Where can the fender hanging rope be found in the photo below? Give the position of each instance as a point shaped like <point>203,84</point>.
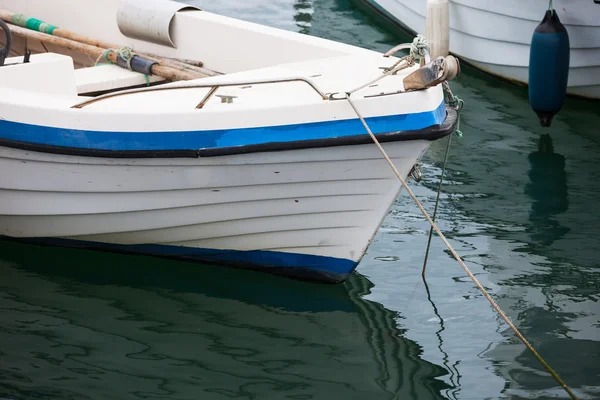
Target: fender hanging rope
<point>457,256</point>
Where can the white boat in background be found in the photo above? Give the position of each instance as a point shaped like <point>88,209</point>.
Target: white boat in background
<point>276,175</point>
<point>495,36</point>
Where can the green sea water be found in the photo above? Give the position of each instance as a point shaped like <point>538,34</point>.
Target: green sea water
<point>520,204</point>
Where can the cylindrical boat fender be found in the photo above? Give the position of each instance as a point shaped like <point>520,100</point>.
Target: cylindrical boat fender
<point>437,27</point>
<point>149,20</point>
<point>548,67</point>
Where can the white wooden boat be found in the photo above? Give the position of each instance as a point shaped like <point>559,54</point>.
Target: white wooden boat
<point>495,36</point>
<point>275,175</point>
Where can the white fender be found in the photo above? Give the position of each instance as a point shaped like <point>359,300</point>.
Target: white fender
<point>437,27</point>
<point>149,20</point>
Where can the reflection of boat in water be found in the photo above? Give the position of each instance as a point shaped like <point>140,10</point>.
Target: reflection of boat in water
<point>104,326</point>
<point>526,378</point>
<point>303,10</point>
<point>529,176</point>
<point>524,208</point>
<point>548,191</point>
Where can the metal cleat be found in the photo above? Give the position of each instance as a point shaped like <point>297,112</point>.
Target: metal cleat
<point>437,71</point>
<point>226,98</point>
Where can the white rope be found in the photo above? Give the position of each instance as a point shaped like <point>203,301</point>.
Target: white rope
<point>457,256</point>
<point>419,47</point>
<point>395,68</point>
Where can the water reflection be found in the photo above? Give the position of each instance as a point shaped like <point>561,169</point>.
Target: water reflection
<point>303,11</point>
<point>526,200</point>
<point>78,324</point>
<point>558,343</point>
<point>549,192</point>
<point>454,377</point>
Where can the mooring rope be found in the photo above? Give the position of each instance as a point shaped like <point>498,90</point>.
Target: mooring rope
<point>437,202</point>
<point>419,48</point>
<point>457,256</point>
<point>458,104</point>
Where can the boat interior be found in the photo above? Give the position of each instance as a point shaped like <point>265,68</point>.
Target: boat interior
<point>241,47</point>
<point>254,66</point>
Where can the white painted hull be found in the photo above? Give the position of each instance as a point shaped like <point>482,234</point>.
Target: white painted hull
<point>495,35</point>
<point>326,202</point>
<point>283,178</point>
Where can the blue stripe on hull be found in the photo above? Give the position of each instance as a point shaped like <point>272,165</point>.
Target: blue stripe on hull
<point>302,266</point>
<point>214,139</point>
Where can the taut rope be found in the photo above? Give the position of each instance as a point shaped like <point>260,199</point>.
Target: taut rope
<point>457,104</point>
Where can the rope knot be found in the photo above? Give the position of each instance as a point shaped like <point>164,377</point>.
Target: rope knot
<point>419,48</point>
<point>127,54</point>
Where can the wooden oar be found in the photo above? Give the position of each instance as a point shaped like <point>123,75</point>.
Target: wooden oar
<point>38,25</point>
<point>97,52</point>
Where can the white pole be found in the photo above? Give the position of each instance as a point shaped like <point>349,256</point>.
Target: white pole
<point>437,27</point>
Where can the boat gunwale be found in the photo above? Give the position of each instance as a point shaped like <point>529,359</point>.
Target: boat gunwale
<point>429,133</point>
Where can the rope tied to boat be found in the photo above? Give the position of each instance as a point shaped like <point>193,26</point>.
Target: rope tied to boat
<point>455,102</point>
<point>408,60</point>
<point>457,257</point>
<point>419,49</point>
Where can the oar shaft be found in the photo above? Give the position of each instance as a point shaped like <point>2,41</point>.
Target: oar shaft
<point>67,34</point>
<point>96,52</point>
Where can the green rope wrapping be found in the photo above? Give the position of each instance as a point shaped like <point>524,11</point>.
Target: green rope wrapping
<point>460,104</point>
<point>33,23</point>
<point>105,55</point>
<point>127,54</point>
<point>455,102</point>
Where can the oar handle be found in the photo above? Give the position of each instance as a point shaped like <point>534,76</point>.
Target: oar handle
<point>6,50</point>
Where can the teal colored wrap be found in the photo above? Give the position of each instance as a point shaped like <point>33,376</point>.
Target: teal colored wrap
<point>33,23</point>
<point>548,68</point>
<point>19,19</point>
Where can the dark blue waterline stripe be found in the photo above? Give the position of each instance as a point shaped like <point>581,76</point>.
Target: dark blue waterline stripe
<point>214,139</point>
<point>301,265</point>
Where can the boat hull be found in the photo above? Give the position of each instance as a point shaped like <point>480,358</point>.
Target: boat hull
<point>504,50</point>
<point>283,178</point>
<point>308,213</point>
